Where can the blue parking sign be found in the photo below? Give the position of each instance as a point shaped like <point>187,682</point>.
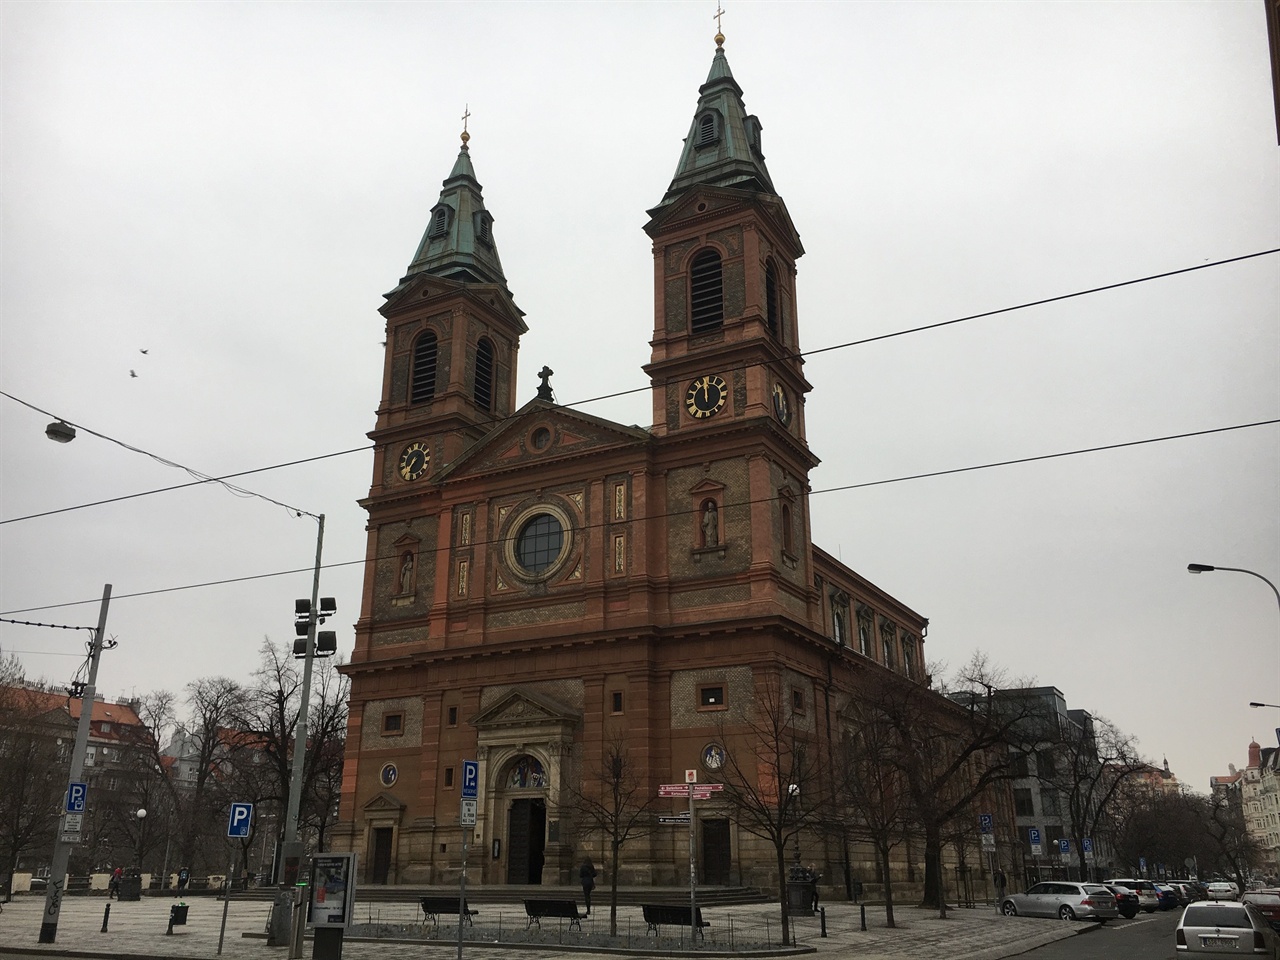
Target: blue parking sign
<point>239,821</point>
<point>1086,844</point>
<point>986,822</point>
<point>470,779</point>
<point>1064,846</point>
<point>77,794</point>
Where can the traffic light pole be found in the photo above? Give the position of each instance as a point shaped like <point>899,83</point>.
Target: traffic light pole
<point>62,849</point>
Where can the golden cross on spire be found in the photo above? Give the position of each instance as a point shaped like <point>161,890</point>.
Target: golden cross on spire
<point>719,27</point>
<point>466,113</point>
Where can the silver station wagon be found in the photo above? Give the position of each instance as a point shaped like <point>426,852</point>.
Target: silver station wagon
<point>1064,900</point>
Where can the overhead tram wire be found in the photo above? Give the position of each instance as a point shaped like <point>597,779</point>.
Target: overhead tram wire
<point>682,513</point>
<point>498,421</point>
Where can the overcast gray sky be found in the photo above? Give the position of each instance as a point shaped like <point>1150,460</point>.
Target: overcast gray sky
<point>232,187</point>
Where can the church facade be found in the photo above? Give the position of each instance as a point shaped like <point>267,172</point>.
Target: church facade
<point>542,585</point>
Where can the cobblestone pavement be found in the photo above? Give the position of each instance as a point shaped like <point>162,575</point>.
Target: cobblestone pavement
<point>137,930</point>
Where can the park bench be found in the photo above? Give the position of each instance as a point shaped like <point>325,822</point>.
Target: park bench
<point>535,910</point>
<point>437,907</point>
<point>657,915</point>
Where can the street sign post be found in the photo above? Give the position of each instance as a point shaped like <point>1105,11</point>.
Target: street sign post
<point>986,823</point>
<point>1064,847</point>
<point>466,820</point>
<point>1033,834</point>
<point>1086,846</point>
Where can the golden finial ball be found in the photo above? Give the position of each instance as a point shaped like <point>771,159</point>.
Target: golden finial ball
<point>465,136</point>
<point>719,39</point>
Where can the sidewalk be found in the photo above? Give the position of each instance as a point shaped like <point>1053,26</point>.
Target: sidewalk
<point>137,930</point>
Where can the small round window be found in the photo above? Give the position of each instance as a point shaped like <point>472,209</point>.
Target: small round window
<point>539,542</point>
<point>541,438</point>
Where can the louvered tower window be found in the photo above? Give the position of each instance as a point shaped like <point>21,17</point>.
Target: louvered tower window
<point>439,222</point>
<point>484,375</point>
<point>771,298</point>
<point>706,292</point>
<point>423,383</point>
<point>707,130</point>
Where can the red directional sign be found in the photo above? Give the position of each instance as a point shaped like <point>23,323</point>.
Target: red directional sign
<point>673,789</point>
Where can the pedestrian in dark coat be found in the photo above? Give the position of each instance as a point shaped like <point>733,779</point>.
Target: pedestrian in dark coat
<point>587,874</point>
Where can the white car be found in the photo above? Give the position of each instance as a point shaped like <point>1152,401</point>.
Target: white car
<point>1221,890</point>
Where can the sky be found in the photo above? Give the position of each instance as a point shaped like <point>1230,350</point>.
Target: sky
<point>231,187</point>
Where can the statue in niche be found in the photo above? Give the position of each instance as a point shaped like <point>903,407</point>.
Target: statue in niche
<point>406,573</point>
<point>710,524</point>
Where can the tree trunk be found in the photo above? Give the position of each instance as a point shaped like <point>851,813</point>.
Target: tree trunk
<point>932,866</point>
<point>613,889</point>
<point>942,886</point>
<point>883,850</point>
<point>780,849</point>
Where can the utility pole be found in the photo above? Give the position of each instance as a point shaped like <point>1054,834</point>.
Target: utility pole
<point>61,848</point>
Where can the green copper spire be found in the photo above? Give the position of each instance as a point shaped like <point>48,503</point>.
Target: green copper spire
<point>458,243</point>
<point>723,147</point>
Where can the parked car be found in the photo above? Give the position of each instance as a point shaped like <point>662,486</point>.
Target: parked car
<point>1225,929</point>
<point>1167,896</point>
<point>1267,900</point>
<point>1066,901</point>
<point>1222,890</point>
<point>1126,900</point>
<point>1145,890</point>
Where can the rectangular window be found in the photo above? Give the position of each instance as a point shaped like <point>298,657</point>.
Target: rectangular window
<point>1023,805</point>
<point>448,776</point>
<point>1045,766</point>
<point>453,716</point>
<point>617,701</point>
<point>392,724</point>
<point>1019,764</point>
<point>797,701</point>
<point>711,698</point>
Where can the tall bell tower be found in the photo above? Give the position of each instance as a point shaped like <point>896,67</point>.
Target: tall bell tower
<point>725,340</point>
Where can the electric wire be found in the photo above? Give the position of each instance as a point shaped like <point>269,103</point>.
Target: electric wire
<point>676,513</point>
<point>496,421</point>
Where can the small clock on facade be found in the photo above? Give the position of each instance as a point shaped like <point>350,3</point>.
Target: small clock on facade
<point>781,406</point>
<point>705,397</point>
<point>414,460</point>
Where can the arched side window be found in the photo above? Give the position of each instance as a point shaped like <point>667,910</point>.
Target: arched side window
<point>773,315</point>
<point>422,384</point>
<point>707,132</point>
<point>706,292</point>
<point>483,393</point>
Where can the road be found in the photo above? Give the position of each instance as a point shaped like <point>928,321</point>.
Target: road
<point>1148,936</point>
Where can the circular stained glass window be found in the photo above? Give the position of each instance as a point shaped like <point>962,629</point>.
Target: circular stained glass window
<point>539,542</point>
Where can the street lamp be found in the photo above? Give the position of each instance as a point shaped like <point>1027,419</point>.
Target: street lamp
<point>1206,568</point>
<point>142,822</point>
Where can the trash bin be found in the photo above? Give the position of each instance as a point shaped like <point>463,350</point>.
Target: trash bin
<point>177,916</point>
<point>131,888</point>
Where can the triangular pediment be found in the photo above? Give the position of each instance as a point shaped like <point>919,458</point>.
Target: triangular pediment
<point>525,708</point>
<point>384,802</point>
<point>706,486</point>
<point>540,433</point>
<point>421,290</point>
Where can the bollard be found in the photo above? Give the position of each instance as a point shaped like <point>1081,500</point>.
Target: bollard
<point>106,915</point>
<point>863,909</point>
<point>822,919</point>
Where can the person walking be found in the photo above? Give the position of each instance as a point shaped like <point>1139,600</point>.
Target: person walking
<point>113,887</point>
<point>184,875</point>
<point>587,874</point>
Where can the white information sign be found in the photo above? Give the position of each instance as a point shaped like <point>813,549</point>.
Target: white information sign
<point>467,816</point>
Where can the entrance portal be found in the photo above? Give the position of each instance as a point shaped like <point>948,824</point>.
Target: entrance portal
<point>381,854</point>
<point>526,840</point>
<point>716,856</point>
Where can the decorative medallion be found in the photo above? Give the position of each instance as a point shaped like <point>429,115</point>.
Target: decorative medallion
<point>389,775</point>
<point>713,756</point>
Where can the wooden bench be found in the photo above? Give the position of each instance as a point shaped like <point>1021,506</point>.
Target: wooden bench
<point>535,910</point>
<point>437,907</point>
<point>657,915</point>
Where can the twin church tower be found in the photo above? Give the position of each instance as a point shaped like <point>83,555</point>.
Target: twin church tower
<point>544,588</point>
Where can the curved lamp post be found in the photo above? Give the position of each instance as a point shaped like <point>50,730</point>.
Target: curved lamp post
<point>1206,568</point>
<point>142,817</point>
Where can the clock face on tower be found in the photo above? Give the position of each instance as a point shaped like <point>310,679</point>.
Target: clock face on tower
<point>414,460</point>
<point>705,397</point>
<point>781,407</point>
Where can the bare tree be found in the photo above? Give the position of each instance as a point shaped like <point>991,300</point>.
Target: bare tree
<point>616,800</point>
<point>30,769</point>
<point>870,786</point>
<point>214,704</point>
<point>773,779</point>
